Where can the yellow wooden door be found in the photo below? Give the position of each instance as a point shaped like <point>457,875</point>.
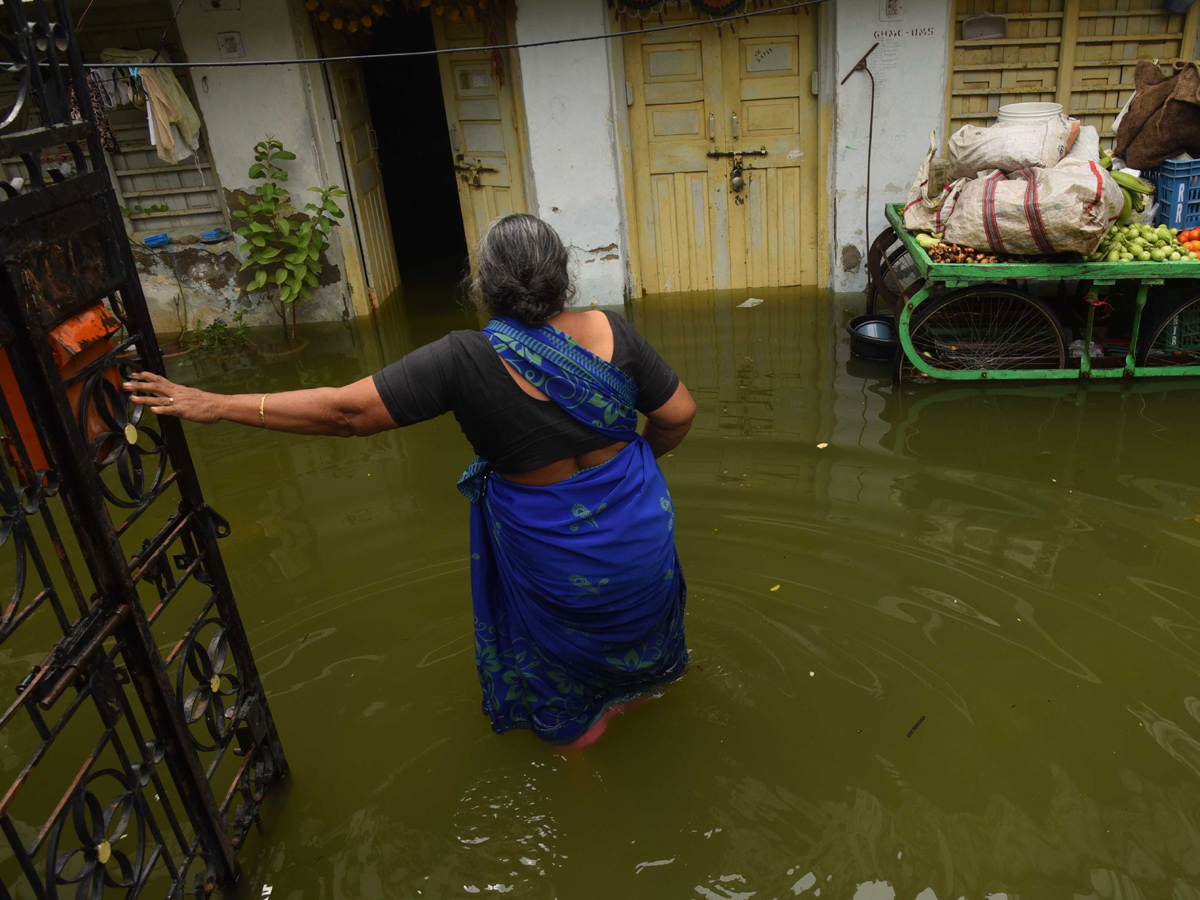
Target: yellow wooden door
<point>695,94</point>
<point>359,152</point>
<point>485,135</point>
<point>680,197</point>
<point>770,106</point>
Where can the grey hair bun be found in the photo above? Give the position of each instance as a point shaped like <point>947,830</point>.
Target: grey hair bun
<point>521,270</point>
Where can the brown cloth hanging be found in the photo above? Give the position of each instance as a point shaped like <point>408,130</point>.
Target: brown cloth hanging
<point>1164,118</point>
<point>108,136</point>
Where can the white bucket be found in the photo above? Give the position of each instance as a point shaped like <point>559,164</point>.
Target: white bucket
<point>1029,112</point>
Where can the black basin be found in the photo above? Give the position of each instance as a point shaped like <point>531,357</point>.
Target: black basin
<point>873,336</point>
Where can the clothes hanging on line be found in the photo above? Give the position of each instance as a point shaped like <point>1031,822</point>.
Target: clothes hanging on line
<point>105,85</point>
<point>173,121</point>
<point>108,136</point>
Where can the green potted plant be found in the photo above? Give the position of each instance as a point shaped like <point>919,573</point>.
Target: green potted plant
<point>284,245</point>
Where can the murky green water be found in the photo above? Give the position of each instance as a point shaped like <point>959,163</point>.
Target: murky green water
<point>1014,570</point>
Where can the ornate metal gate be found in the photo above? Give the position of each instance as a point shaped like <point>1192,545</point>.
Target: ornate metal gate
<point>148,708</point>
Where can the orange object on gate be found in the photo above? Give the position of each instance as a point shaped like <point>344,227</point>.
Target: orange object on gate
<point>75,344</point>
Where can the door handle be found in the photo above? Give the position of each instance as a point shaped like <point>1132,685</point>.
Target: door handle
<point>712,127</point>
<point>373,138</point>
<point>735,128</point>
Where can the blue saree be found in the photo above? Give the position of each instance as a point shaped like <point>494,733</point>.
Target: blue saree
<point>577,590</point>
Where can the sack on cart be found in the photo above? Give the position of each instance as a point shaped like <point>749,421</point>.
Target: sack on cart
<point>930,199</point>
<point>1009,146</point>
<point>1164,115</point>
<point>1066,208</point>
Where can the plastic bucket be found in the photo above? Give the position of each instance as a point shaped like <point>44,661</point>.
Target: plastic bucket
<point>1029,112</point>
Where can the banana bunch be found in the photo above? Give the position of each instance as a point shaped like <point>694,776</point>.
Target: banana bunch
<point>1106,158</point>
<point>1134,189</point>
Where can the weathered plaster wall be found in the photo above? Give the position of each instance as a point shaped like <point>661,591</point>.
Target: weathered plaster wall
<point>910,69</point>
<point>572,141</point>
<point>240,106</point>
<point>187,286</point>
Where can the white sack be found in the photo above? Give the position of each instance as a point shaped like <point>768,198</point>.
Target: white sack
<point>922,213</point>
<point>1067,208</point>
<point>1009,146</point>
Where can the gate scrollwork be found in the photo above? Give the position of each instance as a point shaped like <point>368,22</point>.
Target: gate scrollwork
<point>142,766</point>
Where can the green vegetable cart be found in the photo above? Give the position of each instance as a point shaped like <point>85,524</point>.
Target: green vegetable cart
<point>1004,321</point>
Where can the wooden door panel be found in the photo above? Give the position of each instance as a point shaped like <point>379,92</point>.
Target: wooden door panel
<point>769,118</point>
<point>682,224</point>
<point>484,132</point>
<point>675,92</point>
<point>679,61</point>
<point>676,82</point>
<point>773,221</point>
<point>373,224</point>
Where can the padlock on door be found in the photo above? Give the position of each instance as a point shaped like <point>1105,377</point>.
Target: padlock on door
<point>736,180</point>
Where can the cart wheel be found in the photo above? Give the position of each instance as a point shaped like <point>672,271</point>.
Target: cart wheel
<point>983,328</point>
<point>1174,339</point>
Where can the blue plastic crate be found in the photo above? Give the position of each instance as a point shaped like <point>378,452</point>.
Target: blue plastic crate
<point>1177,191</point>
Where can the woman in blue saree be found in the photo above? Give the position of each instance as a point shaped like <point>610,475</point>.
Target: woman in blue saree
<point>577,590</point>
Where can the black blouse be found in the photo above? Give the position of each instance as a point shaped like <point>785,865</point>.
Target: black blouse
<point>515,432</point>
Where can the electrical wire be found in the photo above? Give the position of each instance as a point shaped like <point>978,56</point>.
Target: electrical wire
<point>163,40</point>
<point>401,54</point>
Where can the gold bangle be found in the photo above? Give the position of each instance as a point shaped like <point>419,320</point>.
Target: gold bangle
<point>262,407</point>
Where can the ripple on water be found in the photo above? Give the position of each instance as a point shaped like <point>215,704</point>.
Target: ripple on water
<point>1014,569</point>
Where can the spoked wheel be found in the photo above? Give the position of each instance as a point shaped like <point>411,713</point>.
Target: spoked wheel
<point>1173,339</point>
<point>982,328</point>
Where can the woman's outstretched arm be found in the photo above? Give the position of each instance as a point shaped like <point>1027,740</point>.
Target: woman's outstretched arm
<point>353,410</point>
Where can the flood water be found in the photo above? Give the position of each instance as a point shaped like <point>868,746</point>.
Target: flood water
<point>944,643</point>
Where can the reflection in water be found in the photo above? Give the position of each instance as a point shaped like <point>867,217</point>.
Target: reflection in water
<point>978,675</point>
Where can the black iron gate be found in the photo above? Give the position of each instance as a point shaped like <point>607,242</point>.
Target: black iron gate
<point>136,752</point>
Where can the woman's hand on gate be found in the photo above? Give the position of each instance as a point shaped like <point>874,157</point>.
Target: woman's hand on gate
<point>165,398</point>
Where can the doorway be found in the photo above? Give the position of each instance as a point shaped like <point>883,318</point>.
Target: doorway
<point>415,156</point>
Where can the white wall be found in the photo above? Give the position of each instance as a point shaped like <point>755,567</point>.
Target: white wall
<point>240,106</point>
<point>910,69</point>
<point>572,141</point>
